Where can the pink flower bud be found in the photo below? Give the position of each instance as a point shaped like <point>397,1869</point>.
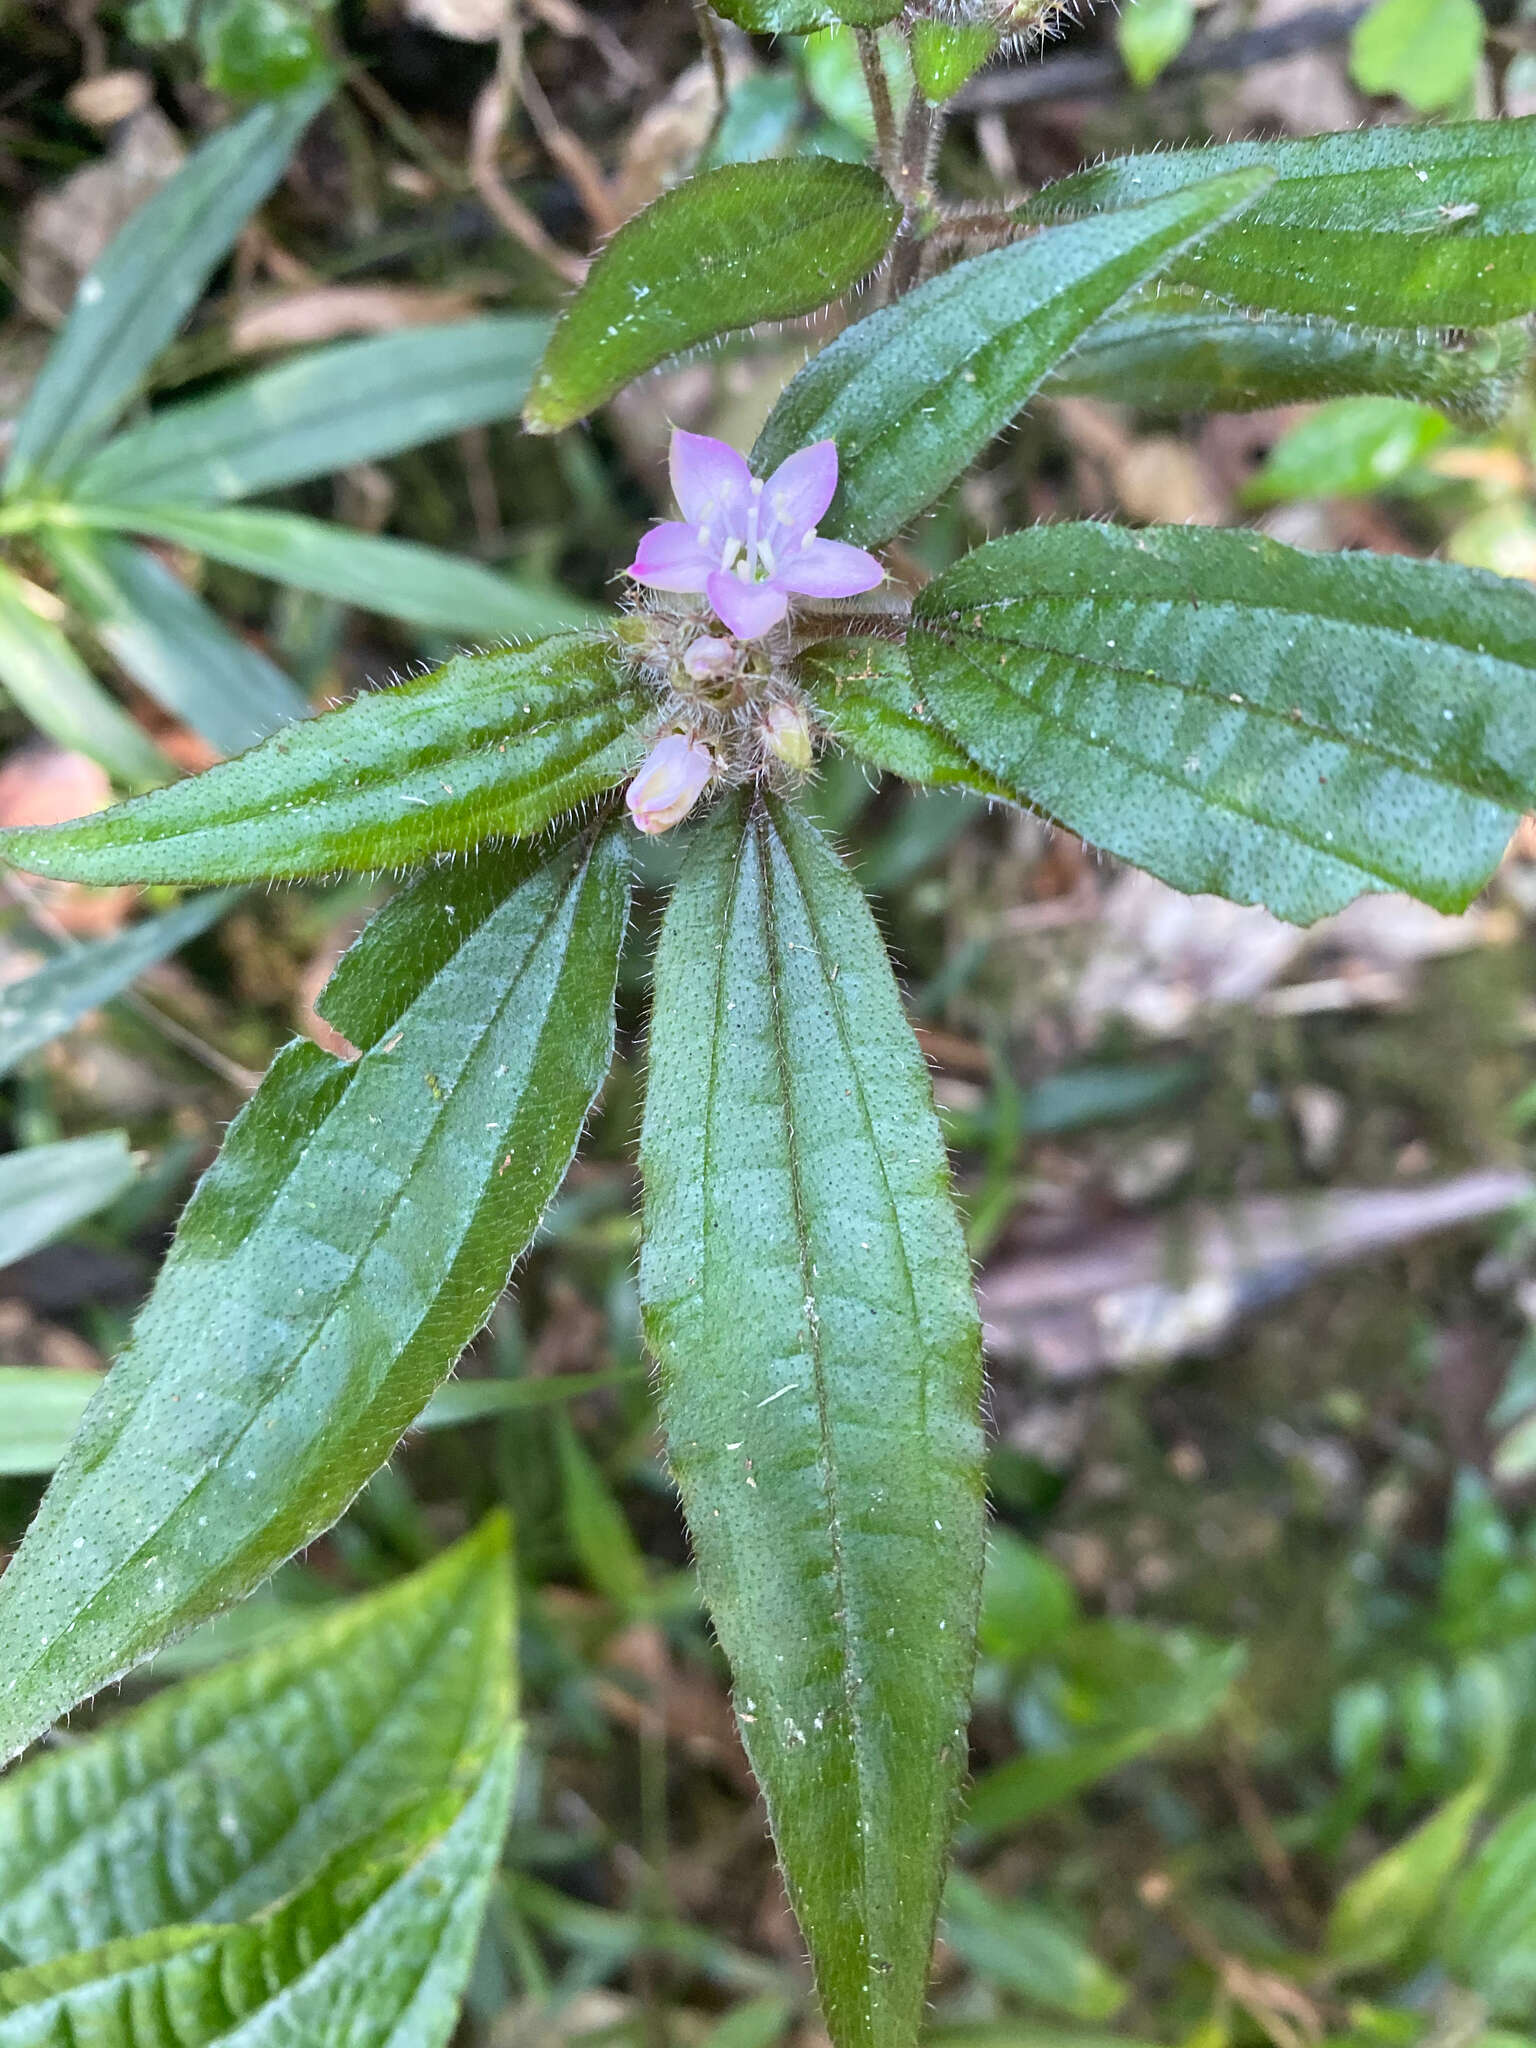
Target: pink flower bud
<point>787,733</point>
<point>670,782</point>
<point>712,659</point>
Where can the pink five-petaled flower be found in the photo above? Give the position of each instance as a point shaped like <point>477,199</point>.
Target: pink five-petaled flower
<point>669,783</point>
<point>749,544</point>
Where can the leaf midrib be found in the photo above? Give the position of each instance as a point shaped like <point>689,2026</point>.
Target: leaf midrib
<point>1001,341</point>
<point>327,794</point>
<point>1221,804</point>
<point>1505,154</point>
<point>151,1792</point>
<point>758,826</point>
<point>194,1492</point>
<point>959,641</point>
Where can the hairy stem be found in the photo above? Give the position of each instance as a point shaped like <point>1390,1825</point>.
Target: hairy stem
<point>880,101</point>
<point>919,145</point>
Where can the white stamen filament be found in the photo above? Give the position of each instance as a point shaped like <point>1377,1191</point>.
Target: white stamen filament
<point>754,513</point>
<point>751,556</point>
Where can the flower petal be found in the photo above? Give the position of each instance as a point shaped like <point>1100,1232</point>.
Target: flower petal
<point>797,494</point>
<point>670,558</point>
<point>712,485</point>
<point>828,568</point>
<point>747,609</point>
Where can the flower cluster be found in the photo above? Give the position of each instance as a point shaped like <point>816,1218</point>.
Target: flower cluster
<point>747,545</point>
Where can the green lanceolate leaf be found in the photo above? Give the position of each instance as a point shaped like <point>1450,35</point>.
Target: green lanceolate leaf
<point>1394,227</point>
<point>862,690</point>
<point>345,1246</point>
<point>731,247</point>
<point>398,577</point>
<point>47,1189</point>
<point>40,1007</point>
<point>375,1952</point>
<point>135,297</point>
<point>1277,727</point>
<point>489,744</point>
<point>913,393</point>
<point>1177,353</point>
<point>225,1795</point>
<point>168,640</point>
<point>807,1297</point>
<point>50,683</point>
<point>356,401</point>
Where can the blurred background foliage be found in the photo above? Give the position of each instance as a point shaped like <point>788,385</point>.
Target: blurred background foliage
<point>1256,1712</point>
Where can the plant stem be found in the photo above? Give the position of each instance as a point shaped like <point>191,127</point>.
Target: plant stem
<point>919,141</point>
<point>880,102</point>
<point>714,50</point>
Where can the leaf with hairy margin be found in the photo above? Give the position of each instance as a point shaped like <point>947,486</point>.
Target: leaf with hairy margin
<point>864,701</point>
<point>343,1249</point>
<point>726,249</point>
<point>1393,227</point>
<point>488,745</point>
<point>914,392</point>
<point>807,1297</point>
<point>374,1952</point>
<point>1275,726</point>
<point>1178,353</point>
<point>42,1407</point>
<point>222,1796</point>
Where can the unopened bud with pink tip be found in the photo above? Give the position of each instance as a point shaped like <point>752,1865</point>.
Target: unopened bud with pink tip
<point>670,782</point>
<point>787,733</point>
<point>711,659</point>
